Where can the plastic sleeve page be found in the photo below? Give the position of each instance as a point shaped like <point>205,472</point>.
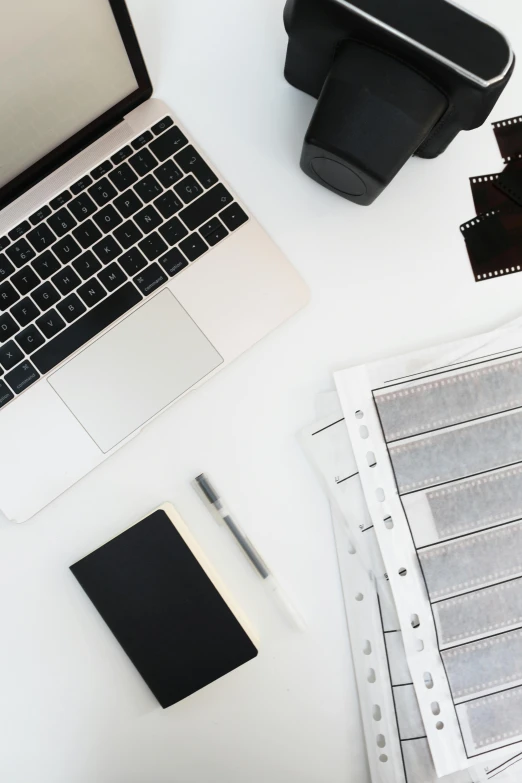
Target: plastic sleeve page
<point>330,463</point>
<point>378,713</point>
<point>393,726</point>
<point>327,446</point>
<point>394,730</point>
<point>439,455</point>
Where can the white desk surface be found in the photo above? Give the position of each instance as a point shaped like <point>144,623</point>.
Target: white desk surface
<point>384,280</point>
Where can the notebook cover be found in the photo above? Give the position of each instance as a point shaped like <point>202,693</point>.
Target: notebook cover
<point>163,607</point>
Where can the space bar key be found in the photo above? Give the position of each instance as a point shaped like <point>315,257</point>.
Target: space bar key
<point>83,330</point>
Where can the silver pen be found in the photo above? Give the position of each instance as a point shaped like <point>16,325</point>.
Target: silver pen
<point>207,491</point>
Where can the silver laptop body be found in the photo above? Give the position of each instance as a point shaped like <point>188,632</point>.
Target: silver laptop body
<point>130,272</point>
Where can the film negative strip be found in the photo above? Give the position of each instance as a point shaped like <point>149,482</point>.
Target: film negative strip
<point>456,397</point>
<point>494,243</point>
<point>486,666</point>
<point>510,182</point>
<point>508,134</point>
<point>487,196</point>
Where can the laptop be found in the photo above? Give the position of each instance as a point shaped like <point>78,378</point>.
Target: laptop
<point>130,271</point>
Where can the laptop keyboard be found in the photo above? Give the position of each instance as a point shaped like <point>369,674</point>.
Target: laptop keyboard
<point>99,248</point>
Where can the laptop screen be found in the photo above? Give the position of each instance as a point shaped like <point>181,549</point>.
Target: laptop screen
<point>63,64</point>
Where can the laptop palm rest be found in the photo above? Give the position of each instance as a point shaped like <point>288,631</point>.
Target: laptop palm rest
<point>135,370</point>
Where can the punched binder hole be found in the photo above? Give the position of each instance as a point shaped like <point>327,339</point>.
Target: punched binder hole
<point>428,680</point>
<point>402,572</point>
<point>351,549</point>
<point>388,523</point>
<point>419,645</point>
<point>359,414</point>
<point>359,596</point>
<point>377,714</point>
<point>379,494</point>
<point>370,457</point>
<point>435,707</point>
<point>439,725</point>
<point>381,741</point>
<point>363,431</point>
<point>367,648</point>
<point>371,675</point>
<point>415,622</point>
<point>383,757</point>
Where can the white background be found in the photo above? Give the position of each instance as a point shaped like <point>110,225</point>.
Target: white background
<point>384,279</point>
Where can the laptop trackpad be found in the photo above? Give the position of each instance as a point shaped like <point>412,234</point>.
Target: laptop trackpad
<point>135,370</point>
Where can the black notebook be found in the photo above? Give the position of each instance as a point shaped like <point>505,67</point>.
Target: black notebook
<point>166,607</point>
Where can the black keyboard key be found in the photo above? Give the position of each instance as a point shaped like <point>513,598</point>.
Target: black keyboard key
<point>107,250</point>
<point>62,222</point>
<point>67,249</point>
<point>50,324</point>
<point>60,200</point>
<point>103,192</point>
<point>6,268</point>
<point>133,261</point>
<point>216,235</point>
<point>152,278</point>
<point>40,215</point>
<point>121,155</point>
<point>168,143</point>
<point>108,219</point>
<point>193,247</point>
<point>168,204</point>
<point>10,355</point>
<point>173,231</point>
<point>46,264</point>
<point>128,203</point>
<point>71,308</point>
<point>8,327</point>
<point>141,140</point>
<point>210,226</point>
<point>66,281</point>
<point>148,219</point>
<point>20,252</point>
<point>82,207</point>
<point>30,339</point>
<point>87,327</point>
<point>87,234</point>
<point>128,234</point>
<point>22,377</point>
<point>192,163</point>
<point>233,217</point>
<point>148,188</point>
<point>162,125</point>
<point>25,311</point>
<point>153,246</point>
<point>123,177</point>
<point>206,207</point>
<point>87,265</point>
<point>173,262</point>
<point>102,169</point>
<point>143,162</point>
<point>45,296</point>
<point>92,292</point>
<point>188,189</point>
<point>82,183</point>
<point>25,280</point>
<point>112,277</point>
<point>41,237</point>
<point>4,242</point>
<point>19,230</point>
<point>6,395</point>
<point>8,296</point>
<point>168,173</point>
